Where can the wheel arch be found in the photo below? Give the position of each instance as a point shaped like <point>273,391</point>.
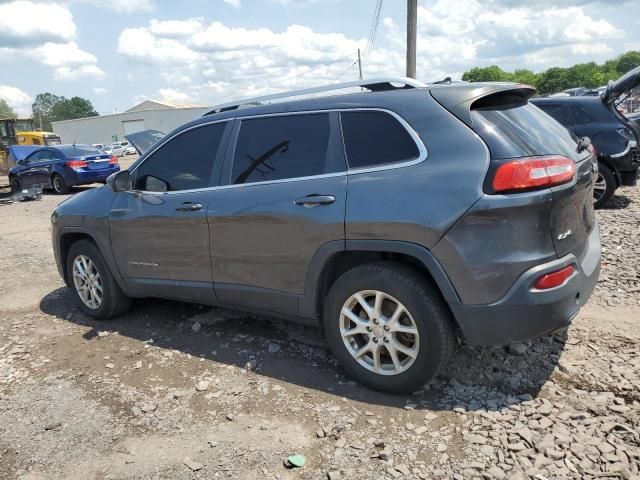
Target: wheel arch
<point>606,161</point>
<point>70,236</point>
<point>335,258</point>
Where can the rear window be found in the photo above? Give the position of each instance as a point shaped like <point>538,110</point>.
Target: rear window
<point>521,131</point>
<point>79,150</point>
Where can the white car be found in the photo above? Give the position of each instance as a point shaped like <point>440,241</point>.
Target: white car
<point>130,151</point>
<point>117,150</point>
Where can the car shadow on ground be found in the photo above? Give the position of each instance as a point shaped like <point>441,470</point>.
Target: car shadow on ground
<point>617,202</point>
<point>477,378</point>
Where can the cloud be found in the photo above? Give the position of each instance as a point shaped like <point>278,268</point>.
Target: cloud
<point>100,91</point>
<point>73,73</point>
<point>175,28</point>
<point>18,100</point>
<point>121,6</point>
<point>233,3</point>
<point>141,45</point>
<point>25,24</point>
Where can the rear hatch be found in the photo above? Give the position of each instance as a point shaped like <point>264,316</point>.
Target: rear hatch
<point>145,139</point>
<point>616,91</point>
<point>516,130</point>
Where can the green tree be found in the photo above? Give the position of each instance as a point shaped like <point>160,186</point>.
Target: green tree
<point>588,75</point>
<point>526,76</point>
<point>75,107</point>
<point>43,106</point>
<point>486,74</point>
<point>553,80</point>
<point>5,110</point>
<point>628,61</point>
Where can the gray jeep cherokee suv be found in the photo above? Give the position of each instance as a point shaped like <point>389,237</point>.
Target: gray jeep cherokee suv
<point>395,218</point>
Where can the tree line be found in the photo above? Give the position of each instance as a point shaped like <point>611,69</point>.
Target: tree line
<point>52,108</point>
<point>556,79</point>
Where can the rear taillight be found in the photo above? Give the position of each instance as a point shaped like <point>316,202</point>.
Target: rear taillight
<point>113,160</point>
<point>533,172</point>
<point>554,279</point>
<point>76,164</point>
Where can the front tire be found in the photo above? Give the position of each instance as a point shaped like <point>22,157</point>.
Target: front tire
<point>59,185</point>
<point>604,187</point>
<point>388,327</point>
<point>16,186</point>
<point>92,282</point>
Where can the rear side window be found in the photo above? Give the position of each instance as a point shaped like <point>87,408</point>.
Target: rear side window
<point>373,138</point>
<point>559,112</point>
<point>580,116</point>
<point>183,163</point>
<point>522,130</point>
<point>277,148</point>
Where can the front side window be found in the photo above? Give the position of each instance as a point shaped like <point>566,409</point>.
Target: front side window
<point>183,163</point>
<point>277,148</point>
<point>373,138</point>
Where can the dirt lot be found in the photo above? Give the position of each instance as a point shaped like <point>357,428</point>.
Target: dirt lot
<point>180,391</point>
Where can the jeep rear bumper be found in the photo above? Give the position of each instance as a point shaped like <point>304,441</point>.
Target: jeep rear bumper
<point>525,313</point>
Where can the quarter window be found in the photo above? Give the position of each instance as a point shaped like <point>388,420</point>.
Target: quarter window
<point>374,138</point>
<point>281,147</point>
<point>559,112</point>
<point>183,163</point>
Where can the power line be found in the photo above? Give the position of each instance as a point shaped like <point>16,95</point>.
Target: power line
<point>373,31</point>
<point>343,73</point>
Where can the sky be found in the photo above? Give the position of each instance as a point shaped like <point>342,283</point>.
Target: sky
<point>120,52</point>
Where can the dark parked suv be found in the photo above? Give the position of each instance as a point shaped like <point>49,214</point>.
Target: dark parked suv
<point>614,137</point>
<point>397,219</point>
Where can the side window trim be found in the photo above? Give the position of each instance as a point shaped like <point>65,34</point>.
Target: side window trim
<point>336,144</point>
<point>217,161</point>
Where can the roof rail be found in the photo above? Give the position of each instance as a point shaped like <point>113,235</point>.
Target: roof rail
<point>373,85</point>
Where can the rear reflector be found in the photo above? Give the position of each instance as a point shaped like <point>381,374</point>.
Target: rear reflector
<point>554,279</point>
<point>533,172</point>
<point>113,160</point>
<point>76,164</point>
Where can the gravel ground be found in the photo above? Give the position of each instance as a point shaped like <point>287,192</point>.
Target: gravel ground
<point>179,391</point>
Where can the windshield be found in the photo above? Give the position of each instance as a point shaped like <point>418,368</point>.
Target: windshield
<point>521,131</point>
<point>79,150</point>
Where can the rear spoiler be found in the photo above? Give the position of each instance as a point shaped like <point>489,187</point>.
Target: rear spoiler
<point>459,99</point>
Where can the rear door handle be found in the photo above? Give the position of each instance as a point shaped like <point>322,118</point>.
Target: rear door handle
<point>315,200</point>
<point>189,207</point>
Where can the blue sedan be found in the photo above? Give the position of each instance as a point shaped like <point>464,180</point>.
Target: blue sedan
<point>62,166</point>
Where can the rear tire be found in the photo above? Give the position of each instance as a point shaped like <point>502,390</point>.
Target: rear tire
<point>604,187</point>
<point>424,330</point>
<point>97,291</point>
<point>59,185</point>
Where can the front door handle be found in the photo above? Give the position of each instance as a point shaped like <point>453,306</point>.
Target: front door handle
<point>314,200</point>
<point>189,207</point>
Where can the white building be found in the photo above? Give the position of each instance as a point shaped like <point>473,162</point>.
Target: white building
<point>107,129</point>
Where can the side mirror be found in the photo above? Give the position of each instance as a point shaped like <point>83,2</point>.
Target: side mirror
<point>120,181</point>
<point>20,162</point>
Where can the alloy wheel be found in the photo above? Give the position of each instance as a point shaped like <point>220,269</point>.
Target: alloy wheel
<point>57,185</point>
<point>87,282</point>
<point>599,187</point>
<point>379,332</point>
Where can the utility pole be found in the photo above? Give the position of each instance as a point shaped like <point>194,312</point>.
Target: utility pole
<point>412,27</point>
<point>40,118</point>
<point>359,64</point>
